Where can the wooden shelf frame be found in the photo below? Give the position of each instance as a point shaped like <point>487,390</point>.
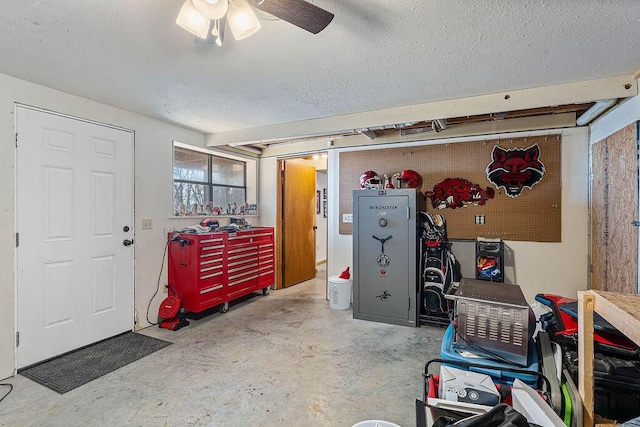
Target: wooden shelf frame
<point>623,312</point>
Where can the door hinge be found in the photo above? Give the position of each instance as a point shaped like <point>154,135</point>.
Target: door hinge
<point>635,223</point>
<point>408,212</point>
<point>17,338</point>
<point>17,239</point>
<point>409,307</point>
<point>16,139</point>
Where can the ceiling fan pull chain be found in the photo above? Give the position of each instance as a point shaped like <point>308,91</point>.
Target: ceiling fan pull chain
<point>216,28</point>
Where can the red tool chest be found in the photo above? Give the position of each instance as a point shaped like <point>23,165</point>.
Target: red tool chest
<point>208,269</point>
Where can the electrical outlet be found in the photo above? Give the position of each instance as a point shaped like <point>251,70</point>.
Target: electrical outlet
<point>147,224</point>
<point>480,220</point>
<point>347,217</point>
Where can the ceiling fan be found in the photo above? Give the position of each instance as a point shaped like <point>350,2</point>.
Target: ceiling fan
<point>206,18</point>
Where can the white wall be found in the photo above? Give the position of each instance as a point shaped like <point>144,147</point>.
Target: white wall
<point>560,268</point>
<point>268,191</point>
<point>321,221</point>
<point>153,198</point>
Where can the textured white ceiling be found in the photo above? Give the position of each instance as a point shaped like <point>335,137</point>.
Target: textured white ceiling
<point>375,54</point>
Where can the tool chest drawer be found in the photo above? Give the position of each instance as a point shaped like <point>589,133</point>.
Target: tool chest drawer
<point>266,262</point>
<point>209,269</point>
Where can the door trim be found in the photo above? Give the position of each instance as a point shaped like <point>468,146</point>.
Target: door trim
<point>279,235</point>
<point>68,116</point>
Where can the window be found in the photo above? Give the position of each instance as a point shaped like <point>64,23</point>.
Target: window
<point>204,184</point>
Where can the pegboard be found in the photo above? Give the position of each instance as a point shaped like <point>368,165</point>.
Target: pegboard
<point>533,216</point>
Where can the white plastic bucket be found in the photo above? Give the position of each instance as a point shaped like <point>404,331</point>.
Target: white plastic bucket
<point>375,423</point>
<point>339,293</point>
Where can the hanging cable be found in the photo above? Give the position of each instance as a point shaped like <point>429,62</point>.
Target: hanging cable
<point>164,254</point>
<point>10,390</point>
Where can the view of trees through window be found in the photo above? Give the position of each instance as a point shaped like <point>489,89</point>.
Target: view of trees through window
<point>204,184</point>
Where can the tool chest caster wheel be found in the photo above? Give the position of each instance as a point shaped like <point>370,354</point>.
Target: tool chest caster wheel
<point>224,307</point>
<point>265,291</point>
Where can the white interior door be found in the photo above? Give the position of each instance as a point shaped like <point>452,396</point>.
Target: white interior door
<point>74,203</point>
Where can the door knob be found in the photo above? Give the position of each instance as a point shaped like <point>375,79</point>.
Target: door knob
<point>315,227</point>
<point>127,242</point>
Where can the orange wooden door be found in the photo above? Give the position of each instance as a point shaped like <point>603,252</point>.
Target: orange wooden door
<point>298,223</point>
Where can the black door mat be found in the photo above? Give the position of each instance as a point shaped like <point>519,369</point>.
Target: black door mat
<point>79,367</point>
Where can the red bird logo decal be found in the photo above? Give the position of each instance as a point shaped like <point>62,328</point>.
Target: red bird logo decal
<point>515,169</point>
<point>457,193</point>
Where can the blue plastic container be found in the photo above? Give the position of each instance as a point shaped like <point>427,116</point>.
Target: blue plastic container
<point>495,371</point>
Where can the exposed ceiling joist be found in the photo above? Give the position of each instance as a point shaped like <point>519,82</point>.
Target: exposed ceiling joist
<point>471,129</point>
<point>570,93</point>
<point>433,126</point>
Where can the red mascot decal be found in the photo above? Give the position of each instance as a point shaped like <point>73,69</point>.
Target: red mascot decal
<point>457,193</point>
<point>515,169</point>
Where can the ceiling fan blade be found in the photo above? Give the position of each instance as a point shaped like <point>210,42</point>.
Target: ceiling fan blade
<point>297,12</point>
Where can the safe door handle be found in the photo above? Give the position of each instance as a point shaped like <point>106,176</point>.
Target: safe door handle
<point>127,242</point>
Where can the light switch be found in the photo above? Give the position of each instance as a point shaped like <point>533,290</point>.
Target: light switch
<point>147,224</point>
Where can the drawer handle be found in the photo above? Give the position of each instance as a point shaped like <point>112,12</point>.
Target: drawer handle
<point>208,276</point>
<point>241,256</point>
<point>210,240</point>
<point>243,262</point>
<point>243,268</point>
<point>247,249</point>
<point>240,273</point>
<point>215,288</point>
<point>240,281</point>
<point>211,261</point>
<point>211,255</point>
<point>236,276</point>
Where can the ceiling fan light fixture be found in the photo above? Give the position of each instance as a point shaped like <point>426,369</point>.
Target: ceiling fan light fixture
<point>242,20</point>
<point>193,21</point>
<point>212,10</point>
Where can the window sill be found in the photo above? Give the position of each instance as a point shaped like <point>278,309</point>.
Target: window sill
<point>201,217</point>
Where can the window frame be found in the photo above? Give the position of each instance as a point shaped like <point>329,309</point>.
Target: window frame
<point>209,185</point>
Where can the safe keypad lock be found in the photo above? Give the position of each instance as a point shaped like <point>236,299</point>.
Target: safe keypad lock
<point>382,222</point>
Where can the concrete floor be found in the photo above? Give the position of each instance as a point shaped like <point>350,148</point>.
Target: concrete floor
<point>286,359</point>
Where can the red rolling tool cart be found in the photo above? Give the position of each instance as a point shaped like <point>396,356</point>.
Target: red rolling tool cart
<point>209,269</point>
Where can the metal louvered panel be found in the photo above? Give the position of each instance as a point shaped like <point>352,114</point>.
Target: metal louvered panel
<point>494,317</point>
